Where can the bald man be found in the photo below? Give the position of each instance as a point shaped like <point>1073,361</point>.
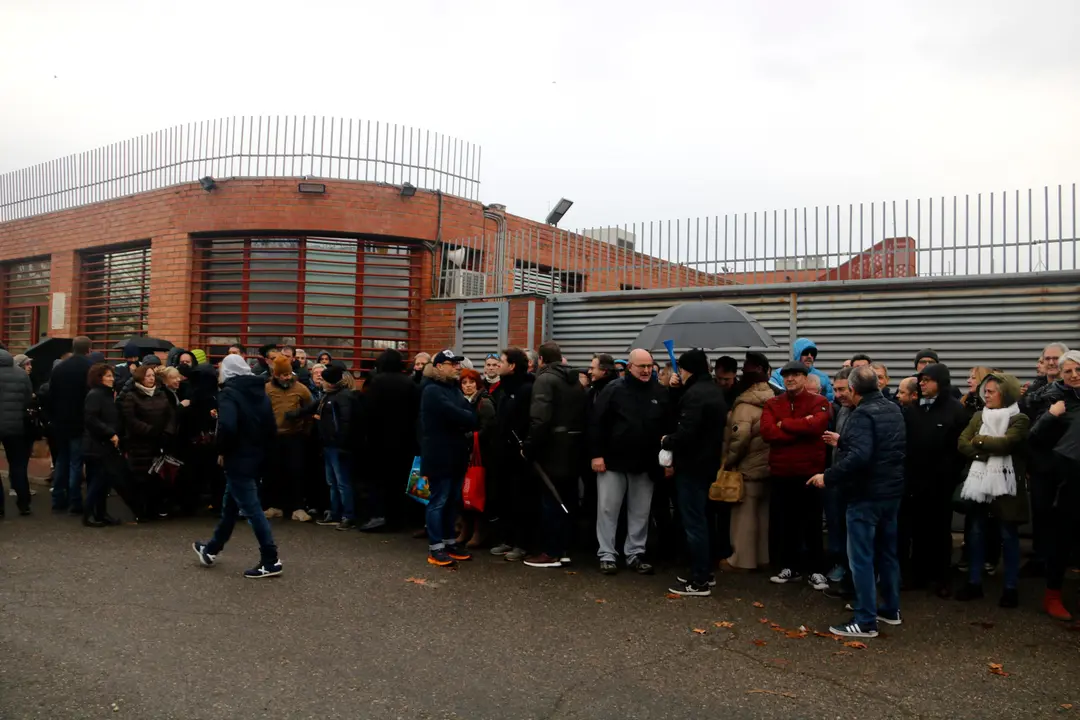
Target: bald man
<point>625,428</point>
<point>908,392</point>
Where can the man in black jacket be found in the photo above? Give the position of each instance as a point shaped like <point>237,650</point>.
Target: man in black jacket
<point>625,426</point>
<point>16,393</point>
<point>246,428</point>
<point>392,401</point>
<point>697,444</point>
<point>934,467</point>
<point>869,474</point>
<point>67,393</point>
<point>514,496</point>
<point>601,374</point>
<point>556,434</point>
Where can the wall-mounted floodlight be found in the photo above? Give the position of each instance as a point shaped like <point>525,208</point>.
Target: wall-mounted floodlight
<point>560,209</point>
<point>312,188</point>
<point>207,183</point>
<point>408,190</point>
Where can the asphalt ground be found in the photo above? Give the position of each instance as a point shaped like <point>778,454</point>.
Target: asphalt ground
<point>123,622</point>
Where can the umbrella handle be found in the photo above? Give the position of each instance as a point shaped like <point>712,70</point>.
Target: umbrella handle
<point>670,345</point>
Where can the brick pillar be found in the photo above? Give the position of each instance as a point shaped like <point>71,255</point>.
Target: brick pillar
<point>171,267</point>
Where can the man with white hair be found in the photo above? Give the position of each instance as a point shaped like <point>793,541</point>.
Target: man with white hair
<point>813,384</point>
<point>625,427</point>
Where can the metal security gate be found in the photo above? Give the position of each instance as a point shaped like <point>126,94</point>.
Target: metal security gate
<point>1001,322</point>
<point>114,296</point>
<point>25,302</point>
<point>481,329</point>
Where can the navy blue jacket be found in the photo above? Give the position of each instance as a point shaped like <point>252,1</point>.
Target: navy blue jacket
<point>246,425</point>
<point>445,419</point>
<point>874,442</point>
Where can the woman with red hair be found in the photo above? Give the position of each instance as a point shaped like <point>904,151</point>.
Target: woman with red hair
<point>472,386</point>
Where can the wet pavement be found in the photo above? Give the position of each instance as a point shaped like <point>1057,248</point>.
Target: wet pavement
<point>123,622</point>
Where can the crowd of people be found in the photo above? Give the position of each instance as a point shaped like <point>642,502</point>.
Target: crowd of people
<point>576,459</point>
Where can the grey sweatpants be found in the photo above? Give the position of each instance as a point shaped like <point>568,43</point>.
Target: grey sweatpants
<point>611,488</point>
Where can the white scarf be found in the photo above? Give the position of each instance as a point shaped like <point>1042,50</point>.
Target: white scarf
<point>995,477</point>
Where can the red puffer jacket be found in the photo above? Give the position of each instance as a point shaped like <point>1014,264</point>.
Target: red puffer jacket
<point>793,426</point>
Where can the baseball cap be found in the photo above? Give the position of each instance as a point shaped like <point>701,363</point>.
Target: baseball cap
<point>445,356</point>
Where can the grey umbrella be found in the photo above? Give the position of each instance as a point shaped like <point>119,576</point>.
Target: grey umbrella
<point>706,325</point>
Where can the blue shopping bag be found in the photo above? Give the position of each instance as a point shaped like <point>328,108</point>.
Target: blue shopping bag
<point>417,486</point>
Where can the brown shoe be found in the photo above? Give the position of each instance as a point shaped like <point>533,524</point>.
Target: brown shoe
<point>727,567</point>
<point>479,537</point>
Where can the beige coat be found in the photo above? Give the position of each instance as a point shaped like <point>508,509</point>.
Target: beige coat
<point>745,450</point>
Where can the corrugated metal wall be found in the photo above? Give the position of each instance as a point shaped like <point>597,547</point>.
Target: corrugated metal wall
<point>481,329</point>
<point>1001,322</point>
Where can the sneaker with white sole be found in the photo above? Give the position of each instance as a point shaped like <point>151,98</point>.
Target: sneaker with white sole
<point>854,630</point>
<point>685,581</point>
<point>893,620</point>
<point>205,558</point>
<point>690,589</point>
<point>500,550</point>
<point>264,570</point>
<point>818,581</point>
<point>516,555</point>
<point>785,576</point>
<point>836,574</point>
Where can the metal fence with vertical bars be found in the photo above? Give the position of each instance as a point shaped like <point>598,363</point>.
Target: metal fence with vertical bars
<point>350,297</point>
<point>246,146</point>
<point>25,302</point>
<point>114,295</point>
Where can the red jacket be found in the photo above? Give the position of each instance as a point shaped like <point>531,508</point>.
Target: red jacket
<point>793,426</point>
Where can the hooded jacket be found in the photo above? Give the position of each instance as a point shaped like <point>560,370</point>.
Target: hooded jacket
<point>16,393</point>
<point>626,423</point>
<point>340,424</point>
<point>392,401</point>
<point>793,426</point>
<point>698,439</point>
<point>934,463</point>
<point>1010,508</point>
<point>246,427</point>
<point>797,349</point>
<point>446,423</point>
<point>284,400</point>
<point>871,466</point>
<point>745,449</point>
<point>556,421</point>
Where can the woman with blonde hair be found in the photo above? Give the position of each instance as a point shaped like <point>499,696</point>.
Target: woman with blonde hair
<point>971,400</point>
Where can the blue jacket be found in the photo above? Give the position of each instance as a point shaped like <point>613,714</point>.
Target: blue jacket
<point>873,441</point>
<point>446,418</point>
<point>246,426</point>
<point>797,350</point>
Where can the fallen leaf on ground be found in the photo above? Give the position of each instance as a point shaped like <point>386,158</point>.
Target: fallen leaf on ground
<point>724,624</point>
<point>759,643</point>
<point>599,600</point>
<point>1066,706</point>
<point>984,625</point>
<point>774,625</point>
<point>699,631</point>
<point>855,644</point>
<point>777,628</point>
<point>673,596</point>
<point>842,652</point>
<point>796,634</point>
<point>831,636</point>
<point>758,605</point>
<point>996,669</point>
<point>416,581</point>
<point>770,692</point>
<point>764,621</point>
<point>571,572</point>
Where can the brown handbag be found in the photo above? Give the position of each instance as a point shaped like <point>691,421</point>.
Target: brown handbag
<point>728,486</point>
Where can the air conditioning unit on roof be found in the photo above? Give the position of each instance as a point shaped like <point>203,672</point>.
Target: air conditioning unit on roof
<point>465,283</point>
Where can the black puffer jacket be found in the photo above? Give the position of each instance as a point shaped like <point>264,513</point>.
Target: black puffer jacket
<point>149,424</point>
<point>16,393</point>
<point>67,393</point>
<point>626,424</point>
<point>102,422</point>
<point>392,401</point>
<point>873,442</point>
<point>934,463</point>
<point>1058,435</point>
<point>698,439</point>
<point>340,424</point>
<point>556,421</point>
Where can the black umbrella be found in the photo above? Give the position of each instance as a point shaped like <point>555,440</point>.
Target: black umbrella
<point>49,349</point>
<point>706,325</point>
<point>146,344</point>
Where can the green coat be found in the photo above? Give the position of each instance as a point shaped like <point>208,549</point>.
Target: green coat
<point>1010,508</point>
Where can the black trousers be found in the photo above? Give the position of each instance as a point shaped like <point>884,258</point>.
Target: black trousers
<point>1064,520</point>
<point>518,524</point>
<point>284,486</point>
<point>925,533</point>
<point>795,513</point>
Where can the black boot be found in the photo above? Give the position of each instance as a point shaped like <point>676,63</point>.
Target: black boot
<point>91,521</point>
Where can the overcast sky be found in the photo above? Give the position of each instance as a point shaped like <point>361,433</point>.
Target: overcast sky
<point>635,110</point>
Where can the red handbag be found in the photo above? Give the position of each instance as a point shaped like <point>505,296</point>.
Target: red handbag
<point>473,491</point>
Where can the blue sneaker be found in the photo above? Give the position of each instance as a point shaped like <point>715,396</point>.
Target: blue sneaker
<point>263,570</point>
<point>836,574</point>
<point>205,558</point>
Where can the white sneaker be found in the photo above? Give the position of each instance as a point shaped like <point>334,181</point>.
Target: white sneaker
<point>301,516</point>
<point>785,576</point>
<point>819,581</point>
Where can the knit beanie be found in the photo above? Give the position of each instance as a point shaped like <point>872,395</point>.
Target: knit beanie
<point>927,353</point>
<point>200,356</point>
<point>151,359</point>
<point>695,362</point>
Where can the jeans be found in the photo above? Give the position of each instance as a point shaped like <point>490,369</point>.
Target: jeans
<point>98,482</point>
<point>442,509</point>
<point>977,541</point>
<point>242,494</point>
<point>692,495</point>
<point>339,478</point>
<point>67,474</point>
<point>612,488</point>
<point>18,457</point>
<point>871,547</point>
<point>836,525</point>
